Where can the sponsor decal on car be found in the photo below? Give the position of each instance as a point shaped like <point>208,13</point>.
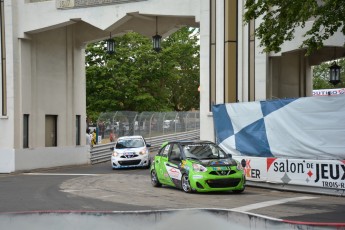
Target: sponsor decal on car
<point>219,163</point>
<point>198,176</point>
<point>220,168</point>
<point>174,173</point>
<point>184,165</point>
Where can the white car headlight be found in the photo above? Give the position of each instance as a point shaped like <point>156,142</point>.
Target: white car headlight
<point>199,168</point>
<point>143,152</point>
<point>116,154</point>
<point>239,166</point>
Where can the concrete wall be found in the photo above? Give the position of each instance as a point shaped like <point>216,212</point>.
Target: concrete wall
<point>106,17</point>
<point>53,84</point>
<point>7,121</point>
<point>26,159</point>
<point>7,162</point>
<point>46,70</point>
<point>290,76</point>
<point>202,219</point>
<point>206,119</point>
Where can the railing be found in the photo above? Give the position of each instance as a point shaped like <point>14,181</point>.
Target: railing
<point>102,153</point>
<point>146,124</point>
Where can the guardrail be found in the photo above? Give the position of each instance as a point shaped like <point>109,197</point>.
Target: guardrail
<point>102,153</point>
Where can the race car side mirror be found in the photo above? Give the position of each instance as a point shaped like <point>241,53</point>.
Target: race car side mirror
<point>243,163</point>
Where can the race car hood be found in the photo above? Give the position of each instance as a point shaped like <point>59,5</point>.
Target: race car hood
<point>125,150</point>
<point>218,162</point>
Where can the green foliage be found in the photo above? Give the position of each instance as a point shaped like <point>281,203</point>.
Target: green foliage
<point>136,78</point>
<point>321,76</point>
<point>281,18</point>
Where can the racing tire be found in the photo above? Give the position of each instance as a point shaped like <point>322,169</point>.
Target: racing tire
<point>154,179</point>
<point>185,184</point>
<point>148,165</point>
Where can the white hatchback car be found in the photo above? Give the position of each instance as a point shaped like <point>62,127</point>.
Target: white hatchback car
<point>130,151</point>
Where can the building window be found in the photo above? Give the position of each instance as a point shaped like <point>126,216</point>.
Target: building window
<point>51,131</point>
<point>77,130</point>
<point>26,131</point>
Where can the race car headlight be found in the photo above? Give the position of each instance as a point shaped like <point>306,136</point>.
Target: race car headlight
<point>239,166</point>
<point>116,154</point>
<point>199,168</point>
<point>143,152</point>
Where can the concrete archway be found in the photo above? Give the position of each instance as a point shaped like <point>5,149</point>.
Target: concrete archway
<point>46,109</point>
<point>291,72</point>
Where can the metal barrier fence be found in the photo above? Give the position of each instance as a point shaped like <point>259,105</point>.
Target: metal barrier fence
<point>146,124</point>
<point>102,153</point>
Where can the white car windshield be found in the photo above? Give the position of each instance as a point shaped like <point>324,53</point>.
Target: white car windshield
<point>203,151</point>
<point>129,143</point>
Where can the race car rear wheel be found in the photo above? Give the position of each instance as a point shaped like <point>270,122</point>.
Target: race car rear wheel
<point>185,184</point>
<point>154,179</point>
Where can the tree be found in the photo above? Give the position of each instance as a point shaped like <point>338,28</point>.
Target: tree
<point>281,18</point>
<point>181,52</point>
<point>136,78</point>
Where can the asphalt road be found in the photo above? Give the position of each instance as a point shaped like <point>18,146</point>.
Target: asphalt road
<point>99,188</point>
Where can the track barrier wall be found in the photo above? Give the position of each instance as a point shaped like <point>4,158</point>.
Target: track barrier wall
<point>321,176</point>
<point>201,219</point>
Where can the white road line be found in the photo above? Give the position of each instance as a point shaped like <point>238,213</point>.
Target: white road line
<point>60,174</point>
<point>270,203</point>
<point>107,196</point>
<point>79,190</point>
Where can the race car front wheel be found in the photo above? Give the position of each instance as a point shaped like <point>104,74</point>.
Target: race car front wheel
<point>185,184</point>
<point>154,179</point>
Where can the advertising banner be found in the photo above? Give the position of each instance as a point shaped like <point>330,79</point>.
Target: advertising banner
<point>325,174</point>
<point>295,128</point>
<point>328,92</point>
<point>255,169</point>
<point>315,173</point>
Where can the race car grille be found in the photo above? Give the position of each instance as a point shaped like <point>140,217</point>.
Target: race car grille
<point>223,172</point>
<point>133,162</point>
<point>129,155</point>
<point>223,183</point>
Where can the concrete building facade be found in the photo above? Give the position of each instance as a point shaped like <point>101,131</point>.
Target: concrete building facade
<point>42,93</point>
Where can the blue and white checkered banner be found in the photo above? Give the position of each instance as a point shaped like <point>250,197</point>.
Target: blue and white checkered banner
<point>308,128</point>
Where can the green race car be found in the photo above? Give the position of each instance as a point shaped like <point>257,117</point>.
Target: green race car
<point>200,166</point>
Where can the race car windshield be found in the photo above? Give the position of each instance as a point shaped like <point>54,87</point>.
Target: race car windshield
<point>129,143</point>
<point>204,151</point>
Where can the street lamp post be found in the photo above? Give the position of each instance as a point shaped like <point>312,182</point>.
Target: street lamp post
<point>110,45</point>
<point>334,74</point>
<point>156,40</point>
